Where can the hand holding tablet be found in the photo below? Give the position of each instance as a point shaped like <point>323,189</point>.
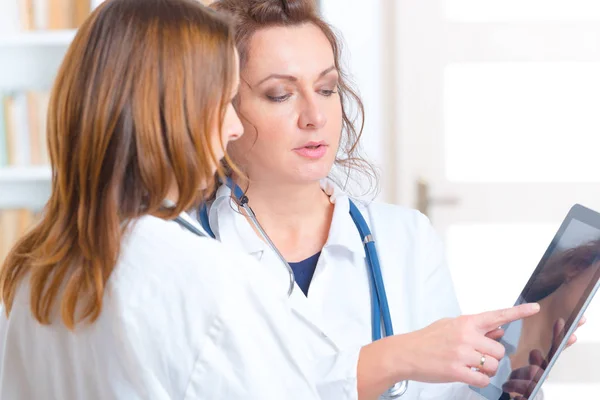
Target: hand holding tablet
<point>564,284</point>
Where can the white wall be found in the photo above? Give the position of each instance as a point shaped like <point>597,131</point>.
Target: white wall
<point>366,60</point>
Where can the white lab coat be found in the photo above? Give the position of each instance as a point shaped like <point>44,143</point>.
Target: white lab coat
<point>418,283</point>
<point>183,318</point>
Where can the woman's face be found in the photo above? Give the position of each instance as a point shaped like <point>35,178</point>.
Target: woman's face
<point>289,106</point>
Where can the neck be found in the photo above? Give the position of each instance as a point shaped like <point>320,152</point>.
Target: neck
<point>296,217</point>
<point>172,195</point>
<point>288,204</point>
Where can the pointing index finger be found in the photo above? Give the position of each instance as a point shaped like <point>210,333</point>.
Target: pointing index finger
<point>493,319</point>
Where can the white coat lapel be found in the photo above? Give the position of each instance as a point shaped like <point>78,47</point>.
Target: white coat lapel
<point>299,304</point>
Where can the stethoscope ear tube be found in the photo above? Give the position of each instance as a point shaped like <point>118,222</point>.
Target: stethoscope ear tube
<point>380,309</point>
<point>378,294</point>
<point>190,227</point>
<point>250,214</point>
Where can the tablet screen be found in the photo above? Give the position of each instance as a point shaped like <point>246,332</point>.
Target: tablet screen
<point>563,284</point>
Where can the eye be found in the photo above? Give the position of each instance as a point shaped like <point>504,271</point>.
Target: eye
<point>279,99</point>
<point>327,93</point>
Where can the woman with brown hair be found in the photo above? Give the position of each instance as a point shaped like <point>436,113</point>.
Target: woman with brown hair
<point>294,102</point>
<point>107,297</point>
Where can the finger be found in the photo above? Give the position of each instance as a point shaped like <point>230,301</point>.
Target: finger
<point>522,387</point>
<point>519,374</point>
<point>491,320</point>
<point>496,334</point>
<point>473,378</point>
<point>531,373</point>
<point>490,347</point>
<point>572,340</point>
<point>536,358</point>
<point>582,321</point>
<point>489,366</point>
<point>559,326</point>
<point>557,336</point>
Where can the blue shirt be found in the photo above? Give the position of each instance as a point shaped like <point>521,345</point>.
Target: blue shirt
<point>304,271</point>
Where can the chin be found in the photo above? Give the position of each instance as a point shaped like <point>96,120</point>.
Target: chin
<point>312,173</point>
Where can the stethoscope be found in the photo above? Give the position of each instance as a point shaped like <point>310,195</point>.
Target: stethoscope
<point>380,312</point>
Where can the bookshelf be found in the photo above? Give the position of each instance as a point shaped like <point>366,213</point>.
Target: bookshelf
<point>25,174</point>
<point>24,187</point>
<point>34,37</point>
<point>28,41</point>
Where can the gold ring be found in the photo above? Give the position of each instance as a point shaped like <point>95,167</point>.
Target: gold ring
<point>482,361</point>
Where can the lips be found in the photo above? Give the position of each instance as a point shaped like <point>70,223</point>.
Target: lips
<point>314,147</point>
<point>312,150</point>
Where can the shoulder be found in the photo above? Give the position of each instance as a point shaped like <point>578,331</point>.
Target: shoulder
<point>403,229</point>
<point>165,246</point>
<point>164,266</point>
<point>164,258</point>
<point>397,217</point>
<point>176,292</point>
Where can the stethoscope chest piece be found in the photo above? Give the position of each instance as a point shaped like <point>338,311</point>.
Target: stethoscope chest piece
<point>396,391</point>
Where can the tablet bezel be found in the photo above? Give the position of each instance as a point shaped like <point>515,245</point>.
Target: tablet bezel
<point>588,217</point>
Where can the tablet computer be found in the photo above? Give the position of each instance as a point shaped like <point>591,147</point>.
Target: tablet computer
<point>564,284</point>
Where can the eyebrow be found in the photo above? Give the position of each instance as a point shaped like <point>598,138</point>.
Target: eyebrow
<point>293,78</point>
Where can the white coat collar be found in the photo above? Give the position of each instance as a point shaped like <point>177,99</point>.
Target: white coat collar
<point>343,232</point>
<point>232,228</point>
<point>187,217</point>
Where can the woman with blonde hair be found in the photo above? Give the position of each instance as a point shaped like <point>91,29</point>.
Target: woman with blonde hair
<point>107,297</point>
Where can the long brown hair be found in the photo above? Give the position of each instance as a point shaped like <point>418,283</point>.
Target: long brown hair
<point>249,16</point>
<point>131,115</point>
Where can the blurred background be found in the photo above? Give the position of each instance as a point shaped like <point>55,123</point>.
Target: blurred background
<point>483,114</point>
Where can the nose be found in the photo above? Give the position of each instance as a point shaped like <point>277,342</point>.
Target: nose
<point>235,129</point>
<point>311,115</point>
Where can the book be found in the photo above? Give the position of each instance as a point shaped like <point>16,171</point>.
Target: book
<point>3,144</point>
<point>81,10</point>
<point>8,231</point>
<point>10,126</point>
<point>14,223</point>
<point>33,126</point>
<point>23,128</point>
<point>60,14</point>
<point>27,15</point>
<point>9,17</point>
<point>40,14</point>
<point>23,145</point>
<point>43,101</point>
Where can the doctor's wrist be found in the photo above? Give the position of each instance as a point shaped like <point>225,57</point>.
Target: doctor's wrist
<point>401,363</point>
<point>380,366</point>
